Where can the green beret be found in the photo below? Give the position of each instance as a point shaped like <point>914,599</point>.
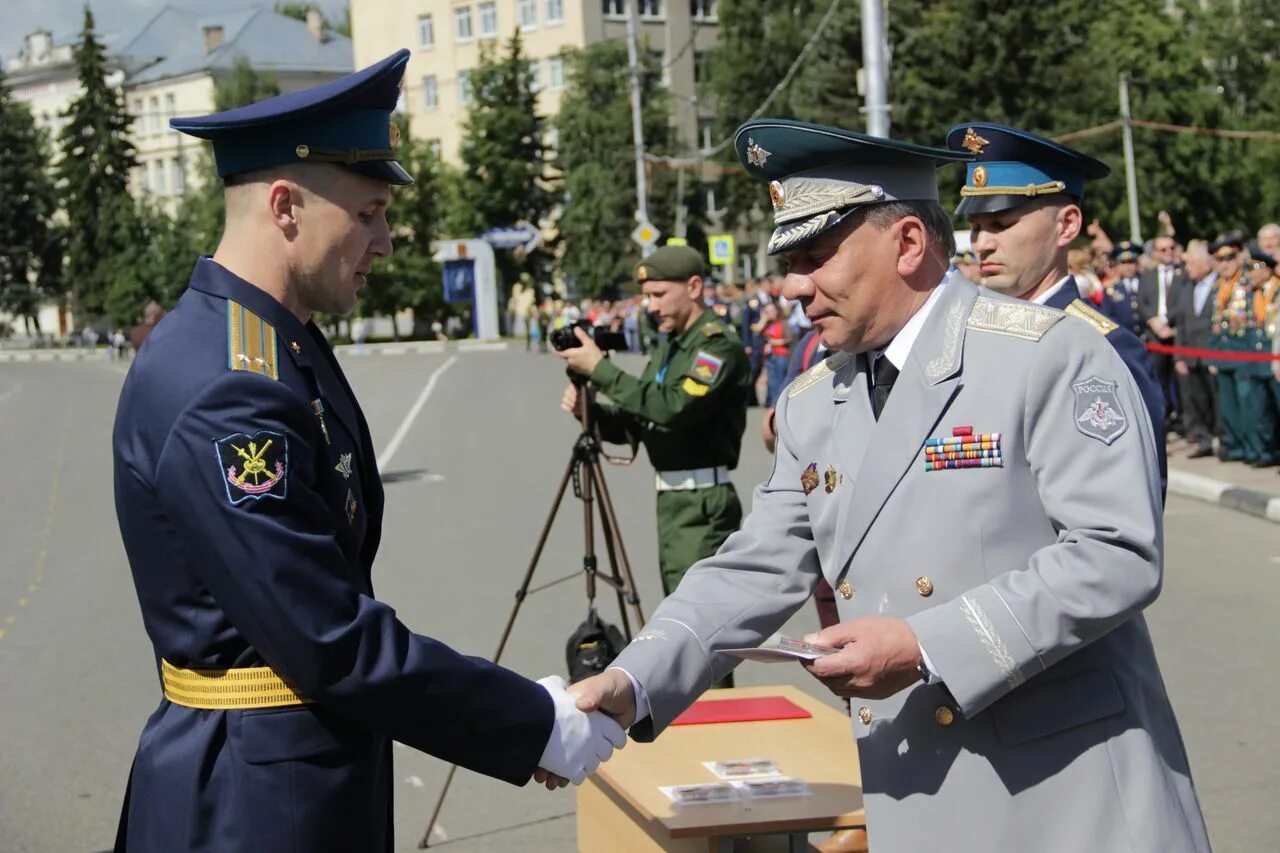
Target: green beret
<point>670,263</point>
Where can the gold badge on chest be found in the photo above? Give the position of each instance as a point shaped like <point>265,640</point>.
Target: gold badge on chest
<point>809,479</point>
<point>830,479</point>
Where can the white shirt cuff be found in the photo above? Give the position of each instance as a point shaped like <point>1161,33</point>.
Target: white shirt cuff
<point>642,699</point>
<point>933,678</point>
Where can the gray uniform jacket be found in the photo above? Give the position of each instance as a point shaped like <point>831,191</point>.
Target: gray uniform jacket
<point>1024,582</point>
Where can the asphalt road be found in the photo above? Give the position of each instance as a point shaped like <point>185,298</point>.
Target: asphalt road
<point>470,482</point>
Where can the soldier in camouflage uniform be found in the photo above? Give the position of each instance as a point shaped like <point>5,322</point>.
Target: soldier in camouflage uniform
<point>689,407</point>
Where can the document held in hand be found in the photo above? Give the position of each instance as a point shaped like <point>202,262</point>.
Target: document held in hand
<point>779,648</point>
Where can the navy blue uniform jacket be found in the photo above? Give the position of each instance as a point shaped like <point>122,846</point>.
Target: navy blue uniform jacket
<point>1134,354</point>
<point>241,564</point>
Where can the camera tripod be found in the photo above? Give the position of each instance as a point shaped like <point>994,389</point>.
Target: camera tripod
<point>587,476</point>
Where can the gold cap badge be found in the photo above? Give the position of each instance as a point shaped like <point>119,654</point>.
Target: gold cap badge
<point>302,151</point>
<point>641,272</point>
<point>393,135</point>
<point>980,176</point>
<point>776,194</point>
<point>973,142</point>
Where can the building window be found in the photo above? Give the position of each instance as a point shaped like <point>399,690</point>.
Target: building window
<point>433,145</point>
<point>650,8</point>
<point>702,10</point>
<point>462,23</point>
<point>555,73</point>
<point>488,19</point>
<point>153,114</point>
<point>170,106</point>
<point>464,87</point>
<point>426,32</point>
<point>535,75</point>
<point>157,177</point>
<point>555,11</point>
<point>527,14</point>
<point>701,67</point>
<point>704,133</point>
<point>177,178</point>
<point>430,92</point>
<point>135,107</point>
<point>614,8</point>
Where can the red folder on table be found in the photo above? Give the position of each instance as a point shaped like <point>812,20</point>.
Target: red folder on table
<point>740,711</point>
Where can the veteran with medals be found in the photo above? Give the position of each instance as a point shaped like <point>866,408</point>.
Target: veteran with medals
<point>250,505</point>
<point>993,535</point>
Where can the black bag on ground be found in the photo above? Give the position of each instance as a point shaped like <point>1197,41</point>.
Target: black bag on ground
<point>592,647</point>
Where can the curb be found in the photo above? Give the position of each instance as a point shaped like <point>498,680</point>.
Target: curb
<point>344,351</point>
<point>1244,499</point>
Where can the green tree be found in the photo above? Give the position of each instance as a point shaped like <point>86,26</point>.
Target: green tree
<point>26,239</point>
<point>502,150</point>
<point>595,156</point>
<point>93,173</point>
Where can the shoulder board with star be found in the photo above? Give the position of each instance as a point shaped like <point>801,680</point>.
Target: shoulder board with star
<point>1092,316</point>
<point>1009,317</point>
<point>251,342</point>
<point>818,372</point>
<point>712,329</point>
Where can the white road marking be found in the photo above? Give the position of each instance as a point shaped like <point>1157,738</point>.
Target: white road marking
<point>407,423</point>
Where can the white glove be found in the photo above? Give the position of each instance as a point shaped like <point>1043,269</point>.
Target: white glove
<point>578,742</point>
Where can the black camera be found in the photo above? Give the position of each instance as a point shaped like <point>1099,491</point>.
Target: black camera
<point>563,338</point>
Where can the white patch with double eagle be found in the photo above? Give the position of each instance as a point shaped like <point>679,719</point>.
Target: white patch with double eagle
<point>1098,413</point>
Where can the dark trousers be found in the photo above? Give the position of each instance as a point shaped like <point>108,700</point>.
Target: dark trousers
<point>825,598</point>
<point>1230,417</point>
<point>692,525</point>
<point>1168,387</point>
<point>1199,404</point>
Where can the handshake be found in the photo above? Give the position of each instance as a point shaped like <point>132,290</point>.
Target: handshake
<point>588,726</point>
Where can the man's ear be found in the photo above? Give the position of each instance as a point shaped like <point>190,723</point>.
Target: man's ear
<point>284,199</point>
<point>1070,221</point>
<point>913,243</point>
<point>695,285</point>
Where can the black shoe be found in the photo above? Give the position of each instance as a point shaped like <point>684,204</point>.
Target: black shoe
<point>1262,463</point>
<point>1200,452</point>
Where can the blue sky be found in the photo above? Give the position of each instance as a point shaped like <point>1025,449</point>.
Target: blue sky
<point>64,17</point>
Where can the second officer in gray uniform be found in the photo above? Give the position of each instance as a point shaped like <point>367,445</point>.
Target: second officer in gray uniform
<point>975,477</point>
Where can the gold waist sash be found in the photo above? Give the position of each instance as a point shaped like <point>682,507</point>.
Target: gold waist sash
<point>227,689</point>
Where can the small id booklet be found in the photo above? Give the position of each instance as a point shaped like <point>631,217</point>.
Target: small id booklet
<point>779,648</point>
<point>743,768</point>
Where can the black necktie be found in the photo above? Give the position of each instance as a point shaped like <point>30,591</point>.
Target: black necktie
<point>885,375</point>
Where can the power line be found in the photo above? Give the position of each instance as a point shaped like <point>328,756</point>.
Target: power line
<point>764,105</point>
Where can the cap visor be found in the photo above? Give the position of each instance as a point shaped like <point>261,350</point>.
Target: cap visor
<point>795,234</point>
<point>989,203</point>
<point>383,170</point>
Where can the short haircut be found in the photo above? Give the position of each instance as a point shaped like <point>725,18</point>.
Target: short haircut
<point>936,221</point>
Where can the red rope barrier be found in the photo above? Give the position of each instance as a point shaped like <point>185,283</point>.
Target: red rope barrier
<point>1215,354</point>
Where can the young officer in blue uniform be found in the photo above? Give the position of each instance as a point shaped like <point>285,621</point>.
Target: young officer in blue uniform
<point>1022,196</point>
<point>251,508</point>
<point>1120,297</point>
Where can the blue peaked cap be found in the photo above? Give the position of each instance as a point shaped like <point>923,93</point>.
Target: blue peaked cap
<point>345,121</point>
<point>1011,167</point>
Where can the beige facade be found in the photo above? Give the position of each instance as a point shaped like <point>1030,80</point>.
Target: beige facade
<point>445,37</point>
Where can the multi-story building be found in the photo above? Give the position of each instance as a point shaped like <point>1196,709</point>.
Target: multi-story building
<point>445,36</point>
<point>170,66</point>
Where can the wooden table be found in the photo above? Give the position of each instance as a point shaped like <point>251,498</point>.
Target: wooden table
<point>621,810</point>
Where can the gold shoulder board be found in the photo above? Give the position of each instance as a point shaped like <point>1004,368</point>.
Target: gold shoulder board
<point>251,342</point>
<point>818,372</point>
<point>1092,316</point>
<point>712,329</point>
<point>1016,319</point>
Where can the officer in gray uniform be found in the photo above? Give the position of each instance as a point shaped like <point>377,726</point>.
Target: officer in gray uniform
<point>976,478</point>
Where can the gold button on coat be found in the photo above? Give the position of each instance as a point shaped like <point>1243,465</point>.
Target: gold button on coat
<point>864,714</point>
<point>924,586</point>
<point>944,715</point>
<point>846,591</point>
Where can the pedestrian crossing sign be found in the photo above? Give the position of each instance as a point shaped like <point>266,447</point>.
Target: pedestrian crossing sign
<point>721,249</point>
